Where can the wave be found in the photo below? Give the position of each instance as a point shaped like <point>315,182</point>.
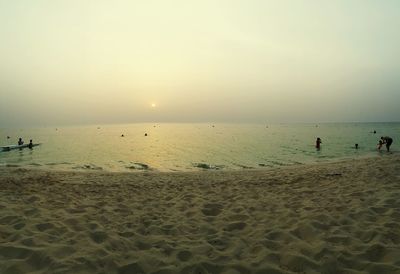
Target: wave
<point>34,164</point>
<point>243,166</point>
<point>60,163</point>
<point>208,166</point>
<point>12,165</point>
<point>87,167</point>
<point>138,166</point>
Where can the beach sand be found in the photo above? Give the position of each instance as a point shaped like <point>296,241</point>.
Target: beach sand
<point>339,217</point>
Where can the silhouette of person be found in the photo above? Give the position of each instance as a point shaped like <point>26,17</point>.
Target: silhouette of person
<point>380,144</point>
<point>318,143</point>
<point>387,141</point>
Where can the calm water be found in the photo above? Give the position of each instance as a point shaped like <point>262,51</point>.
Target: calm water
<point>189,147</point>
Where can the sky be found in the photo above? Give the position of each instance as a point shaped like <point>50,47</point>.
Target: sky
<point>246,61</point>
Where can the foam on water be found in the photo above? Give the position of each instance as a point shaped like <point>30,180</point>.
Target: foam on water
<point>191,147</point>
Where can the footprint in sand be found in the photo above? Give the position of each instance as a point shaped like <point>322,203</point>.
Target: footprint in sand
<point>130,268</point>
<point>11,252</point>
<point>184,255</point>
<point>10,220</point>
<point>235,226</point>
<point>212,209</point>
<point>44,226</point>
<point>98,236</point>
<point>19,226</point>
<point>219,243</point>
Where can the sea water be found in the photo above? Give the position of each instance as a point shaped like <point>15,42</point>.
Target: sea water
<point>190,147</point>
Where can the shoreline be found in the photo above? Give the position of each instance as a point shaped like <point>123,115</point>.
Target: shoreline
<point>260,168</point>
<point>341,217</point>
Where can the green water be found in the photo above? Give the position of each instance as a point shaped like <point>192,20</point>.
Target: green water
<point>190,147</point>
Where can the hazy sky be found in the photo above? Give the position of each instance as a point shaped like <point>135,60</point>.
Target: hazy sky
<point>72,62</point>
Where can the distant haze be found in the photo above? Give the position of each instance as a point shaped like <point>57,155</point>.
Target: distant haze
<point>80,62</point>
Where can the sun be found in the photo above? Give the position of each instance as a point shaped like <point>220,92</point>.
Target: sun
<point>153,105</point>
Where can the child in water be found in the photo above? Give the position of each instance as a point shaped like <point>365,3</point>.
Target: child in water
<point>380,144</point>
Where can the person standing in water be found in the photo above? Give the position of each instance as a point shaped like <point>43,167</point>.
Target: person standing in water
<point>20,142</point>
<point>30,145</point>
<point>318,143</point>
<point>388,141</point>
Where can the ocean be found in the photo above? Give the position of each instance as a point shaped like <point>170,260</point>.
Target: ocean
<point>192,147</point>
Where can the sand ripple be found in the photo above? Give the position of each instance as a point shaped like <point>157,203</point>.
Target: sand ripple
<point>304,219</point>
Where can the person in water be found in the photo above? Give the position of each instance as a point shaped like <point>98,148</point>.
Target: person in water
<point>387,141</point>
<point>20,142</point>
<point>356,146</point>
<point>318,143</point>
<point>380,144</point>
<point>30,145</point>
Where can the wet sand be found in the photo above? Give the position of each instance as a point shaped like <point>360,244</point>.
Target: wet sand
<point>324,218</point>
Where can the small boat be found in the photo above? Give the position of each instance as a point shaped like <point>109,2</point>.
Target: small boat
<point>11,147</point>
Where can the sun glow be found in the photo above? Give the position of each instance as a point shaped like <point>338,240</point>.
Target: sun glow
<point>153,105</point>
